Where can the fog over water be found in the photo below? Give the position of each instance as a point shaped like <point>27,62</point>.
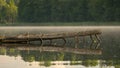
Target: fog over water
<point>110,45</point>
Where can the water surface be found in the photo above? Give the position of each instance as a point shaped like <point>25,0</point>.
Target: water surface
<point>12,57</point>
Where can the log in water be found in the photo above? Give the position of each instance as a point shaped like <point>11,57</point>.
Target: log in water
<point>35,37</point>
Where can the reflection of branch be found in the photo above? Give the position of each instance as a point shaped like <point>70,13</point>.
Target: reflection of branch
<point>57,49</point>
<point>98,38</point>
<point>96,45</point>
<point>95,41</point>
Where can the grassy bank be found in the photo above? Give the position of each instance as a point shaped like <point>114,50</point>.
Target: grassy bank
<point>62,24</point>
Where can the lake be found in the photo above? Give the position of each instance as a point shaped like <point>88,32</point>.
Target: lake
<point>58,56</point>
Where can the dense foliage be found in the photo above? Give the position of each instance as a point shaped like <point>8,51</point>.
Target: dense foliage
<point>8,11</point>
<point>59,10</point>
<point>69,10</point>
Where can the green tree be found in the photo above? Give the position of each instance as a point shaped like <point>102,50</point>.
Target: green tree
<point>12,11</point>
<point>69,10</point>
<point>117,10</point>
<point>109,10</point>
<point>8,11</point>
<point>96,10</point>
<point>2,7</point>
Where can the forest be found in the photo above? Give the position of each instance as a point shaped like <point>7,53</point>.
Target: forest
<point>59,11</point>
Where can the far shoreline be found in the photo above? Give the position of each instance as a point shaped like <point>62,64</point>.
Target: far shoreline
<point>61,24</point>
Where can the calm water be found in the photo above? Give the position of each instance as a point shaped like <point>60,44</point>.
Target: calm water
<point>35,56</point>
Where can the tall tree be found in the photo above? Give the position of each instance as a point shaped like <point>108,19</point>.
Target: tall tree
<point>109,10</point>
<point>117,10</point>
<point>12,11</point>
<point>2,7</point>
<point>8,11</point>
<point>96,9</point>
<point>69,10</point>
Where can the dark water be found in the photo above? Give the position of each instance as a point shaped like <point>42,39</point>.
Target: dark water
<point>35,56</point>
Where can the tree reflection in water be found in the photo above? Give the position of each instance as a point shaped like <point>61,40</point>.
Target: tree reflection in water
<point>30,53</point>
<point>3,51</point>
<point>90,62</point>
<point>47,55</point>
